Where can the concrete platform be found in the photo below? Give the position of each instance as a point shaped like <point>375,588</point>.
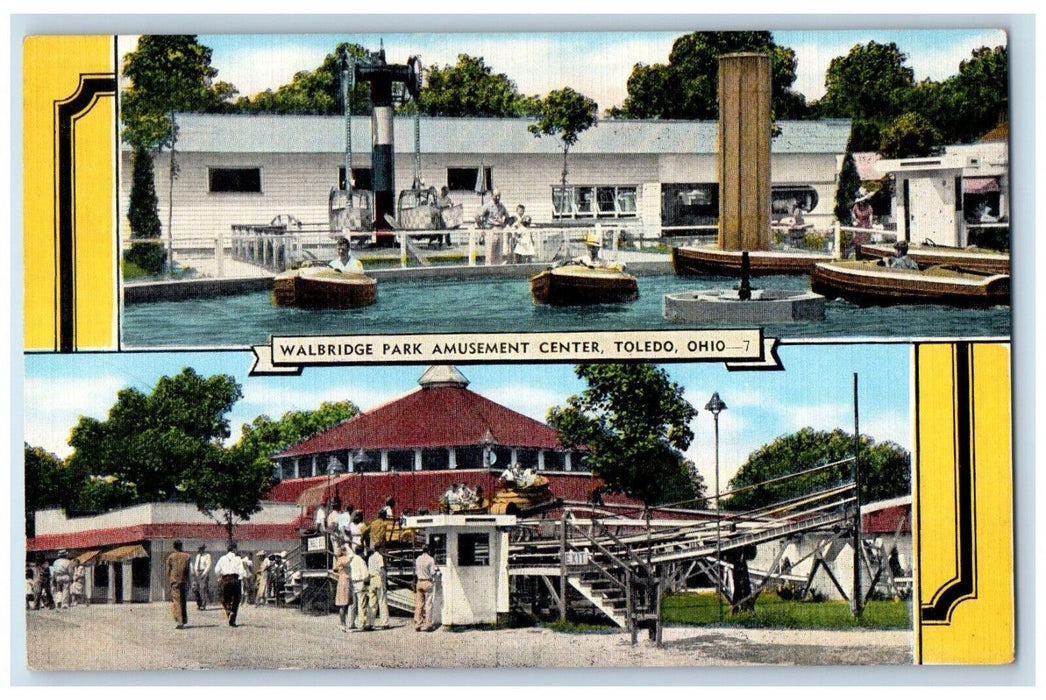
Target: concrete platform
<point>724,306</point>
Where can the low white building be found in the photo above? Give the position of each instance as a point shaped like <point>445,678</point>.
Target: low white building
<point>125,550</point>
<point>236,169</point>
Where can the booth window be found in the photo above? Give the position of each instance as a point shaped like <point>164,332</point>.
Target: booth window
<point>474,549</point>
<point>438,548</point>
<point>234,180</point>
<point>467,178</point>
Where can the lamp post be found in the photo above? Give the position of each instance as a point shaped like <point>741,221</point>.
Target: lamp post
<point>715,406</point>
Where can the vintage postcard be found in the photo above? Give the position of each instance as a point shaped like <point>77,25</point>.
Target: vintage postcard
<point>454,350</point>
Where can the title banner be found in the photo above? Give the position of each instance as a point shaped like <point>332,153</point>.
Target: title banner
<point>288,354</point>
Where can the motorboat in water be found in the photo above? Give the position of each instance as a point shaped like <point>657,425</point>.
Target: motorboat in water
<point>322,287</point>
<point>693,260</point>
<point>870,283</point>
<point>575,284</point>
<point>990,261</point>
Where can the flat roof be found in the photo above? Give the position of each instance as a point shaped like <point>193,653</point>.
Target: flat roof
<point>277,133</point>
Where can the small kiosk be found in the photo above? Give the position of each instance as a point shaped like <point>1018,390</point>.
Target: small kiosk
<point>928,199</point>
<point>471,552</point>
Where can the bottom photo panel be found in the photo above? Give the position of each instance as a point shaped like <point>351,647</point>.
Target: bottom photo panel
<point>194,516</point>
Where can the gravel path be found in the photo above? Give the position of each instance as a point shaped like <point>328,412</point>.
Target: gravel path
<point>143,637</point>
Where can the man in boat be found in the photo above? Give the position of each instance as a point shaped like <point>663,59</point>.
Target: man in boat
<point>900,259</point>
<point>592,260</point>
<point>345,262</point>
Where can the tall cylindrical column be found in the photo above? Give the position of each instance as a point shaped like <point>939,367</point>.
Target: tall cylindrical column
<point>383,170</point>
<point>744,151</point>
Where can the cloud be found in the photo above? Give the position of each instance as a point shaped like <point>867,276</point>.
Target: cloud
<point>274,401</point>
<point>526,399</point>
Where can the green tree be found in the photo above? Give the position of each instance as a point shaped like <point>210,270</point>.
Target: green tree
<point>227,485</point>
<point>471,88</point>
<point>150,444</point>
<point>45,483</point>
<point>975,100</point>
<point>264,436</point>
<point>885,468</point>
<point>317,91</point>
<point>687,86</point>
<point>868,85</point>
<point>565,115</point>
<point>911,135</point>
<point>143,215</point>
<point>846,192</point>
<point>167,73</point>
<point>635,423</point>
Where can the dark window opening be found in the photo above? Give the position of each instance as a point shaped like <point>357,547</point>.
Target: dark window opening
<point>474,549</point>
<point>502,457</point>
<point>468,178</point>
<point>366,461</point>
<point>401,460</point>
<point>140,573</point>
<point>690,204</point>
<point>234,179</point>
<point>432,459</point>
<point>362,178</point>
<point>527,457</point>
<point>784,200</point>
<point>469,457</point>
<point>438,548</point>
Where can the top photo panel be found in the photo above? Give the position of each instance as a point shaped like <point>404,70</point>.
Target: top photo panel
<point>816,184</point>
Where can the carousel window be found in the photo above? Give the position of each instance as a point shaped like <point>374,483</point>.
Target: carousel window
<point>469,457</point>
<point>503,457</point>
<point>401,460</point>
<point>435,458</point>
<point>527,457</point>
<point>366,461</point>
<point>555,461</point>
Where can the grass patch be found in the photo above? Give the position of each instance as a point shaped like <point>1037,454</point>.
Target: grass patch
<point>772,611</point>
<point>579,628</point>
<point>131,271</point>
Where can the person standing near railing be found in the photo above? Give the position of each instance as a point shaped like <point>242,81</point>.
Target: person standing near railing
<point>377,593</point>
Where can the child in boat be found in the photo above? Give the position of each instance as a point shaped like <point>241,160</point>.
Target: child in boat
<point>345,262</point>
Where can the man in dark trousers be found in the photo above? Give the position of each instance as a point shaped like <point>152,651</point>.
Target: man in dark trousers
<point>178,580</point>
<point>229,571</point>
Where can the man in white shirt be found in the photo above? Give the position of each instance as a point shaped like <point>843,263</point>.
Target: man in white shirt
<point>345,262</point>
<point>360,575</point>
<point>229,571</point>
<point>201,582</point>
<point>425,572</point>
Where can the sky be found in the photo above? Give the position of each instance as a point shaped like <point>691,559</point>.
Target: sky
<point>816,390</point>
<point>596,64</point>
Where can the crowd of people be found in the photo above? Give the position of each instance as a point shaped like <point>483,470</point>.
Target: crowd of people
<point>459,497</point>
<point>55,585</point>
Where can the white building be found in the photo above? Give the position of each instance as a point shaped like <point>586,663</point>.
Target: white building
<point>236,169</point>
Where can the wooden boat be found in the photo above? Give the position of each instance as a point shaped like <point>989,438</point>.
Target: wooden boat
<point>927,256</point>
<point>322,287</point>
<point>571,285</point>
<point>689,260</point>
<point>866,282</point>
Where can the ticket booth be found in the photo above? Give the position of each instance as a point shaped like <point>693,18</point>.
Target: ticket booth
<point>471,552</point>
<point>928,199</point>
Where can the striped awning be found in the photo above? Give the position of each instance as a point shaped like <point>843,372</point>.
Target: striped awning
<point>980,185</point>
<point>124,553</point>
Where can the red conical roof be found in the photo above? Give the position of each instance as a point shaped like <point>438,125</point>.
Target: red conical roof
<point>434,415</point>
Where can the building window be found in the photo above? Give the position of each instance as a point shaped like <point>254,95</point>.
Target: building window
<point>555,461</point>
<point>366,461</point>
<point>527,457</point>
<point>438,548</point>
<point>502,457</point>
<point>474,549</point>
<point>433,459</point>
<point>234,180</point>
<point>785,198</point>
<point>590,202</point>
<point>362,178</point>
<point>690,204</point>
<point>467,178</point>
<point>469,457</point>
<point>401,460</point>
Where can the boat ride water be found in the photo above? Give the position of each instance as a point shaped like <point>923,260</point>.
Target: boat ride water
<point>505,304</point>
